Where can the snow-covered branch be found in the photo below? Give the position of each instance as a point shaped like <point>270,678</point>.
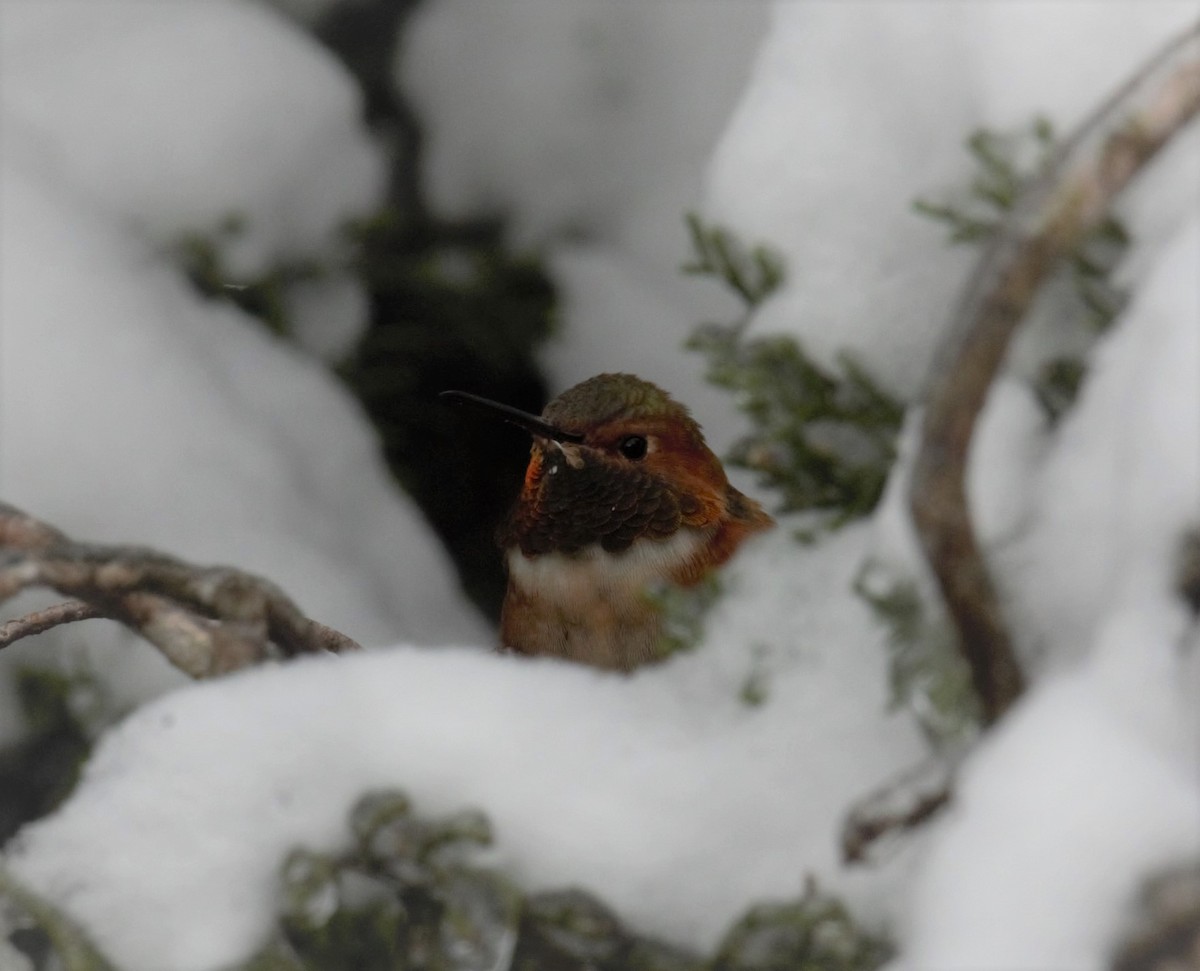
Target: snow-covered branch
<point>206,620</point>
<point>1048,222</point>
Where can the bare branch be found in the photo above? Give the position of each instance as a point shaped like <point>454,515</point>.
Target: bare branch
<point>904,803</point>
<point>43,620</point>
<point>21,532</point>
<point>1049,221</point>
<point>206,620</point>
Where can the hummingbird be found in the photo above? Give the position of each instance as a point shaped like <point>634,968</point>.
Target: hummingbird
<point>622,498</point>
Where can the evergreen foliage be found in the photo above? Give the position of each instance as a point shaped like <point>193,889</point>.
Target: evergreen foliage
<point>814,933</point>
<point>683,611</point>
<point>263,296</point>
<point>1005,164</point>
<point>752,274</point>
<point>407,895</point>
<point>35,936</point>
<point>927,673</point>
<point>63,712</point>
<point>756,685</point>
<point>823,440</point>
<point>403,896</point>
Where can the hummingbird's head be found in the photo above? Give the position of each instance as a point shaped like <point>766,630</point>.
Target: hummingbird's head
<point>616,459</point>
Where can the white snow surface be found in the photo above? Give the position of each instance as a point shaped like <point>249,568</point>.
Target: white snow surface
<point>1124,480</point>
<point>217,108</point>
<point>583,120</point>
<point>664,792</point>
<point>1092,785</point>
<point>856,109</point>
<point>175,118</point>
<point>131,410</point>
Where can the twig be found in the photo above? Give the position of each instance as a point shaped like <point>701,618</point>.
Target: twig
<point>206,620</point>
<point>43,620</point>
<point>904,803</point>
<point>1050,219</point>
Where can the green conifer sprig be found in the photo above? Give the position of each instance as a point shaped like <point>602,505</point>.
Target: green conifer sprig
<point>822,439</point>
<point>409,895</point>
<point>927,674</point>
<point>263,295</point>
<point>683,611</point>
<point>1005,163</point>
<point>752,274</point>
<point>814,933</point>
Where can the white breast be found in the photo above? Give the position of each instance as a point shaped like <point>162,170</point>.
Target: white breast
<point>594,572</point>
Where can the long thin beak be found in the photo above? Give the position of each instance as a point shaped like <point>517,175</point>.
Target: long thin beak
<point>522,419</point>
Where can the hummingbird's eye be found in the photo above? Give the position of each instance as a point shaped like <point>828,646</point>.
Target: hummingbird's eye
<point>632,447</point>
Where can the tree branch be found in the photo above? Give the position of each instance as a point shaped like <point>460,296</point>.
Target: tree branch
<point>43,620</point>
<point>206,620</point>
<point>1048,222</point>
<point>907,801</point>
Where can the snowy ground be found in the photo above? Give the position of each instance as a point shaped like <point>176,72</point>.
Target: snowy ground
<point>665,792</point>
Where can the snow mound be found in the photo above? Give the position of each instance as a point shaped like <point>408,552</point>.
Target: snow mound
<point>855,110</point>
<point>182,120</point>
<point>1122,482</point>
<point>586,119</point>
<point>666,793</point>
<point>164,116</point>
<point>134,412</point>
<point>1065,810</point>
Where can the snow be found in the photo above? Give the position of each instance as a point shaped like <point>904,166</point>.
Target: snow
<point>192,130</point>
<point>664,792</point>
<point>1122,485</point>
<point>583,120</point>
<point>131,410</point>
<point>306,11</point>
<point>588,125</point>
<point>1094,781</point>
<point>856,109</point>
<point>1010,446</point>
<point>1065,809</point>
